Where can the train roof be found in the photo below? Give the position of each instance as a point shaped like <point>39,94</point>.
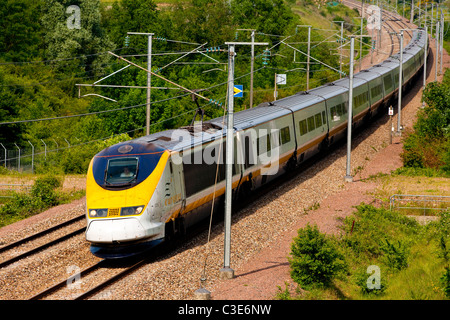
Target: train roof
<point>254,116</point>
<point>299,101</point>
<point>328,91</point>
<point>367,74</point>
<point>390,64</point>
<point>380,69</point>
<point>345,82</point>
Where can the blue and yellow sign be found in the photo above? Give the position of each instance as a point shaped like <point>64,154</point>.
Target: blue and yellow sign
<point>238,91</point>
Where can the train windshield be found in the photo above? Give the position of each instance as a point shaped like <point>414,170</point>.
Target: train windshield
<point>121,171</point>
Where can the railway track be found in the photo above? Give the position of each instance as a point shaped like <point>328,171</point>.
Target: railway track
<point>70,287</point>
<point>11,248</point>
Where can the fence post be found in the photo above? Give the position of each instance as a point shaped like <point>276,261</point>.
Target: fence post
<point>32,156</point>
<point>45,150</point>
<point>57,145</point>
<point>5,152</point>
<point>18,167</point>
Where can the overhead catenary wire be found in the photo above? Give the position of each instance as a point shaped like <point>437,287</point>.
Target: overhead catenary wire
<point>123,108</point>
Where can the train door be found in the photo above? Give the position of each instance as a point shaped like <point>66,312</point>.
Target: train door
<point>177,183</point>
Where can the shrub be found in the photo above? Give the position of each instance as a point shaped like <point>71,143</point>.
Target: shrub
<point>44,190</point>
<point>395,255</point>
<point>445,282</point>
<point>22,205</point>
<point>315,258</point>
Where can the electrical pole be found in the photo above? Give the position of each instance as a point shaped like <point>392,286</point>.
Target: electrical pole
<point>442,38</point>
<point>360,46</point>
<point>307,55</point>
<point>381,27</point>
<point>341,41</point>
<point>411,19</point>
<point>425,58</point>
<point>432,19</point>
<point>400,85</point>
<point>227,272</point>
<point>348,177</point>
<point>307,58</point>
<point>149,75</point>
<point>437,51</point>
<point>251,68</point>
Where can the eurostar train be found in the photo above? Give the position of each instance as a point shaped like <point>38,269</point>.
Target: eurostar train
<point>143,191</point>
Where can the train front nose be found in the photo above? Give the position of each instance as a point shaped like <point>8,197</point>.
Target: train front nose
<point>120,190</point>
<point>120,230</point>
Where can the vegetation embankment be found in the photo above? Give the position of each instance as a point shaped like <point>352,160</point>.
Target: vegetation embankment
<point>380,254</point>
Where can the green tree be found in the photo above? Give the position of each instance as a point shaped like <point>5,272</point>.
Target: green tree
<point>89,42</point>
<point>20,38</point>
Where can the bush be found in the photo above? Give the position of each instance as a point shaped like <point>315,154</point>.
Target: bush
<point>22,205</point>
<point>395,255</point>
<point>315,258</point>
<point>445,282</point>
<point>44,190</point>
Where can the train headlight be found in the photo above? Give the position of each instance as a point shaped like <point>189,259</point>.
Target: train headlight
<point>129,211</point>
<point>98,213</point>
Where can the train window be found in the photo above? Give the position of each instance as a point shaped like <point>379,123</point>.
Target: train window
<point>121,171</point>
<point>334,115</point>
<point>199,175</point>
<point>376,91</point>
<point>387,82</point>
<point>324,119</point>
<point>285,135</point>
<point>311,124</point>
<point>318,120</point>
<point>360,99</point>
<point>303,127</point>
<point>260,144</point>
<point>248,153</point>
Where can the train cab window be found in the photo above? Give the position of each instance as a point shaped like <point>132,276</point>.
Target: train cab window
<point>121,171</point>
<point>311,124</point>
<point>324,119</point>
<point>303,127</point>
